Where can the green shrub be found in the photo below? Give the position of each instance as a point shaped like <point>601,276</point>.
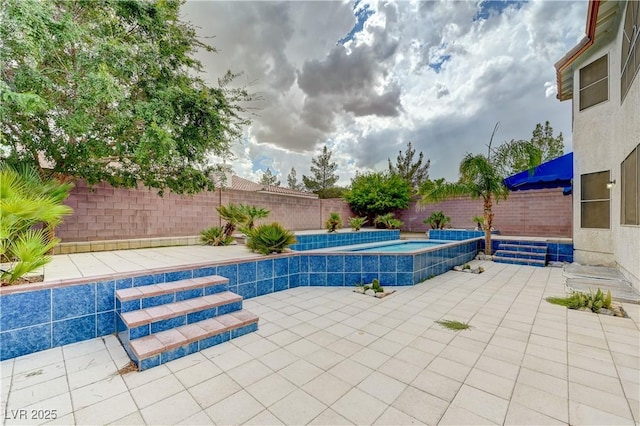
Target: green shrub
<point>269,238</point>
<point>357,222</point>
<point>577,300</point>
<point>252,213</point>
<point>334,222</point>
<point>234,214</point>
<point>215,237</point>
<point>388,221</point>
<point>454,325</point>
<point>437,220</point>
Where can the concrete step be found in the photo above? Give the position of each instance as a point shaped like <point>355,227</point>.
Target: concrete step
<point>132,299</point>
<point>521,254</point>
<point>523,247</point>
<point>517,261</point>
<point>159,348</point>
<point>143,322</point>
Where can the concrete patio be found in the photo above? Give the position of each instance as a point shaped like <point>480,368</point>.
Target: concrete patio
<point>330,356</point>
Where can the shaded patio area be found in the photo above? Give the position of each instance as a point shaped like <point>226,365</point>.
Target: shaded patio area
<point>331,356</point>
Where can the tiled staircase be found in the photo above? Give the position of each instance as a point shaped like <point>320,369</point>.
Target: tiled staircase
<point>533,253</point>
<point>161,322</point>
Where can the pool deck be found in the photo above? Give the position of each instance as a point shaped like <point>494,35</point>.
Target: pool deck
<point>331,356</point>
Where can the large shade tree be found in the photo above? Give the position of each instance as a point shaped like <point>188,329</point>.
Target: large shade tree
<point>110,91</point>
<point>376,193</point>
<point>479,178</point>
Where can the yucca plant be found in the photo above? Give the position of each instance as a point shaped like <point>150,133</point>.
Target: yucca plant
<point>269,238</point>
<point>26,201</point>
<point>215,237</point>
<point>357,222</point>
<point>334,222</point>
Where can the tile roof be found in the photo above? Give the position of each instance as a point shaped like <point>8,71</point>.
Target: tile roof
<point>242,184</point>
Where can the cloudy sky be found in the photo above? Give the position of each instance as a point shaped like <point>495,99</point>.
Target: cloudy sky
<point>365,78</point>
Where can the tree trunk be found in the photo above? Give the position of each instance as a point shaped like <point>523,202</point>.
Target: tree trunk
<point>488,219</point>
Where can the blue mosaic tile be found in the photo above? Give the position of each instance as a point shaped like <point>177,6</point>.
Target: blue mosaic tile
<point>129,305</point>
<point>335,279</point>
<point>230,272</point>
<point>294,280</point>
<point>405,263</point>
<point>264,287</point>
<point>335,263</point>
<point>205,272</point>
<point>318,264</point>
<point>180,352</point>
<point>265,269</point>
<point>106,297</point>
<point>213,289</point>
<point>120,325</point>
<point>138,332</point>
<point>370,264</point>
<point>230,307</point>
<point>24,341</point>
<point>74,330</point>
<point>147,363</point>
<point>387,278</point>
<point>244,330</point>
<point>388,263</point>
<point>352,263</point>
<point>178,275</point>
<point>168,324</point>
<point>214,340</point>
<point>105,323</point>
<point>565,249</point>
<point>143,280</point>
<point>247,291</point>
<point>281,267</point>
<point>294,265</point>
<point>318,279</point>
<point>246,272</point>
<point>74,301</point>
<point>304,263</point>
<point>233,289</point>
<point>368,277</point>
<point>124,283</point>
<point>352,278</point>
<point>280,283</point>
<point>189,294</point>
<point>149,302</point>
<point>25,309</point>
<point>202,315</point>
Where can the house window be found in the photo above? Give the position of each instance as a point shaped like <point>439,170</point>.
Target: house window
<point>594,200</point>
<point>630,188</point>
<point>630,57</point>
<point>594,83</point>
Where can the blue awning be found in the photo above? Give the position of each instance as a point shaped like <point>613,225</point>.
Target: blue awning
<point>557,173</point>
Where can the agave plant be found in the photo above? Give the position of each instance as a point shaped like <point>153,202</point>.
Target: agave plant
<point>215,237</point>
<point>269,238</point>
<point>357,222</point>
<point>234,215</point>
<point>334,222</point>
<point>25,201</point>
<point>388,221</point>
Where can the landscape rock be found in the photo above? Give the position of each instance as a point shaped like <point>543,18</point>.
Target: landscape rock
<point>370,292</point>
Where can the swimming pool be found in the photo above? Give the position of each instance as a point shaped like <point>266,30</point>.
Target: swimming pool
<point>398,247</point>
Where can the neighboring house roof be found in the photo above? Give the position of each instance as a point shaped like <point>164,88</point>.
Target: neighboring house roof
<point>242,184</point>
<point>601,22</point>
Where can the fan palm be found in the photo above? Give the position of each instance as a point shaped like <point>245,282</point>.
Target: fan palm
<point>234,215</point>
<point>479,178</point>
<point>253,213</point>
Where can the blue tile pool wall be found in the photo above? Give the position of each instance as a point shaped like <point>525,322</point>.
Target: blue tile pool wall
<point>32,321</point>
<point>320,241</point>
<point>456,234</point>
<point>557,251</point>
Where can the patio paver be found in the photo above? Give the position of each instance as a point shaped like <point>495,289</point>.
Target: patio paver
<point>330,356</point>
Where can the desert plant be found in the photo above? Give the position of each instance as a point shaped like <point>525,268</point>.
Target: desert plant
<point>357,222</point>
<point>478,220</point>
<point>234,215</point>
<point>269,238</point>
<point>388,221</point>
<point>437,220</point>
<point>334,222</point>
<point>215,236</point>
<point>26,201</point>
<point>594,300</point>
<point>375,286</point>
<point>454,325</point>
<point>252,213</point>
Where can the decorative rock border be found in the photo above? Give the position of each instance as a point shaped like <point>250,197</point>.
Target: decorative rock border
<point>372,293</point>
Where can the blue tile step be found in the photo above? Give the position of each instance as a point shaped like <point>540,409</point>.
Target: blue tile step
<point>143,322</point>
<point>131,299</point>
<point>518,261</point>
<point>524,247</point>
<point>521,254</point>
<point>159,348</point>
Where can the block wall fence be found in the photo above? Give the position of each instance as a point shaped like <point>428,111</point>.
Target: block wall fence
<point>106,213</point>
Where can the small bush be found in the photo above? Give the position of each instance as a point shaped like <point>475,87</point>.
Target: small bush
<point>437,220</point>
<point>334,222</point>
<point>388,221</point>
<point>269,238</point>
<point>215,236</point>
<point>357,222</point>
<point>454,325</point>
<point>577,300</point>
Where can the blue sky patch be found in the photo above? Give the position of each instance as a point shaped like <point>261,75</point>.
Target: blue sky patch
<point>488,7</point>
<point>361,14</point>
<point>436,64</point>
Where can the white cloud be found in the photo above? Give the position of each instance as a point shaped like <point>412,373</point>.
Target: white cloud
<point>429,72</point>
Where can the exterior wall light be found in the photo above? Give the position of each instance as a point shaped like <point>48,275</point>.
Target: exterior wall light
<point>611,184</point>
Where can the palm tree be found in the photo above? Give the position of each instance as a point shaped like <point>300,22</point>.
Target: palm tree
<point>253,213</point>
<point>234,215</point>
<point>479,178</point>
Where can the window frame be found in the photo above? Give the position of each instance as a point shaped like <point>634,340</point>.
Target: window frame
<point>633,155</point>
<point>593,64</point>
<point>585,202</point>
<point>629,51</point>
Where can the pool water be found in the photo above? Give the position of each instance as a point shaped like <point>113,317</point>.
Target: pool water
<point>398,247</point>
